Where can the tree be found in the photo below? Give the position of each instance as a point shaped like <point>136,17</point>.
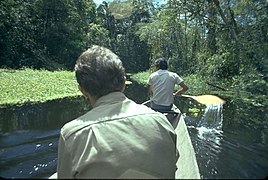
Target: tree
<point>43,34</point>
<point>16,27</point>
<point>121,25</point>
<point>63,24</point>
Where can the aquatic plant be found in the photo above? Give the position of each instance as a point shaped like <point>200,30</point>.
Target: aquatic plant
<point>30,86</point>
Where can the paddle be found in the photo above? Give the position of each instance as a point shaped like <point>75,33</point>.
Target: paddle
<point>206,99</point>
<point>128,82</point>
<point>202,99</point>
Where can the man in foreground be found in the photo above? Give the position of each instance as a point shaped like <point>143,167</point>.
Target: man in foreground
<point>117,138</point>
<point>162,83</point>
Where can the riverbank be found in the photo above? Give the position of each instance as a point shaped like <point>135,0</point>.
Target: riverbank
<point>27,85</point>
<point>36,86</point>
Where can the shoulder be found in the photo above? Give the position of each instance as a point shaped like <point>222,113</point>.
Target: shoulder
<point>75,125</point>
<point>152,77</point>
<point>153,74</point>
<point>150,118</point>
<point>175,75</point>
<point>93,117</point>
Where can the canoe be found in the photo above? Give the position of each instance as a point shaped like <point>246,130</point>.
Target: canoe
<point>187,163</point>
<point>187,167</point>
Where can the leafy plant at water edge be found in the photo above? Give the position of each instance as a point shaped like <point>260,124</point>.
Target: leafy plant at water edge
<point>28,85</point>
<point>141,77</point>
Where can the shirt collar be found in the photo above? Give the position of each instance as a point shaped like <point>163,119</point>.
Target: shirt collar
<point>161,70</point>
<point>110,98</point>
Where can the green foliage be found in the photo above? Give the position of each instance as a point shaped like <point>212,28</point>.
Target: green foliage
<point>221,66</point>
<point>219,40</point>
<point>122,39</point>
<point>136,58</point>
<point>97,35</point>
<point>197,84</point>
<point>121,10</point>
<point>195,112</point>
<point>141,77</point>
<point>252,83</point>
<point>159,34</point>
<point>41,33</point>
<point>29,86</point>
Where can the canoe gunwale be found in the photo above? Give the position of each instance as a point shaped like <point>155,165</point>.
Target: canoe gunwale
<point>187,167</point>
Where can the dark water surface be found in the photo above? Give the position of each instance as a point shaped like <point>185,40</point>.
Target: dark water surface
<point>231,141</point>
<point>227,149</point>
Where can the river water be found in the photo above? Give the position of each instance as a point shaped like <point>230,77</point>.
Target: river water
<point>230,140</point>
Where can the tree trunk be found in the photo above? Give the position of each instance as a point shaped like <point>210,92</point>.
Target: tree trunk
<point>211,43</point>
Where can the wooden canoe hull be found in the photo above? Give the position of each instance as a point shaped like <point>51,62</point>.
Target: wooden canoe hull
<point>186,164</point>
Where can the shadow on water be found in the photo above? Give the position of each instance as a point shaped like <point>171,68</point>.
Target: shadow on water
<point>51,114</point>
<point>230,141</point>
<point>29,135</point>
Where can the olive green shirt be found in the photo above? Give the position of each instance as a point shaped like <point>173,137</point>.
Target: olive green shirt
<point>118,139</point>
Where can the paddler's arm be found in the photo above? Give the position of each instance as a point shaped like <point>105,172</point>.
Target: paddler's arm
<point>183,89</point>
<point>149,90</point>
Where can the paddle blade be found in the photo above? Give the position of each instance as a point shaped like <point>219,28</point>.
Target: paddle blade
<point>208,99</point>
<point>128,82</point>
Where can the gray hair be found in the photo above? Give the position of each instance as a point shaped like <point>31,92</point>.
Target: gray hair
<point>99,71</point>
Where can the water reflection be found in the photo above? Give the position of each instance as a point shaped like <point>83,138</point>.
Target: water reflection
<point>226,148</point>
<point>49,115</point>
<point>28,153</point>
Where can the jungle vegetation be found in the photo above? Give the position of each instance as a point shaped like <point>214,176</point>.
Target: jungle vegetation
<point>222,42</point>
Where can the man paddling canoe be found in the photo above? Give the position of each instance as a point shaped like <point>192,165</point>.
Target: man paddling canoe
<point>162,83</point>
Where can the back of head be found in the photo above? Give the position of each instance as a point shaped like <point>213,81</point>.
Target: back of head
<point>99,71</point>
<point>161,63</point>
